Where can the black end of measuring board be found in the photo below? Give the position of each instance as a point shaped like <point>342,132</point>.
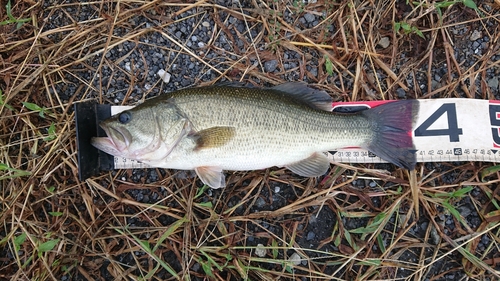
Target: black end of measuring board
<point>91,161</point>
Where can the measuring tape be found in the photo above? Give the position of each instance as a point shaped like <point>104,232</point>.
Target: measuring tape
<point>445,130</point>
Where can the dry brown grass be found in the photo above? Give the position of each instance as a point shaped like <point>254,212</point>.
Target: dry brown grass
<point>55,226</point>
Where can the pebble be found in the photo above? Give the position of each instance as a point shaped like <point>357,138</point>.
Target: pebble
<point>476,34</point>
<point>435,238</point>
<point>309,17</point>
<point>464,211</point>
<point>295,259</point>
<point>384,42</point>
<point>165,76</point>
<point>401,93</point>
<point>260,251</point>
<point>424,225</point>
<point>493,83</point>
<point>485,239</point>
<point>260,202</point>
<point>310,236</point>
<point>270,65</point>
<point>312,218</point>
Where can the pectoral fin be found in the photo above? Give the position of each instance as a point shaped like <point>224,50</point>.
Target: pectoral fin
<point>314,166</point>
<point>211,176</point>
<point>213,137</point>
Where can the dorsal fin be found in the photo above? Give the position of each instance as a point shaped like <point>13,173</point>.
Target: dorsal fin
<point>301,92</point>
<point>234,84</point>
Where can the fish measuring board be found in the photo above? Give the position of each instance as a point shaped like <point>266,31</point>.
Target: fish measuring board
<point>444,130</point>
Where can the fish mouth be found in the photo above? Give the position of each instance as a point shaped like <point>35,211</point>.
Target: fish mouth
<point>116,142</point>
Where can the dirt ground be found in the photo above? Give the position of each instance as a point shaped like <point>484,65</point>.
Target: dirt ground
<point>358,222</point>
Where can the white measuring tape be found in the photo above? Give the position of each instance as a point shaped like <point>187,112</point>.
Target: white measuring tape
<point>446,130</point>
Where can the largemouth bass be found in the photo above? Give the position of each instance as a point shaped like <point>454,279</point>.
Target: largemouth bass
<point>217,128</point>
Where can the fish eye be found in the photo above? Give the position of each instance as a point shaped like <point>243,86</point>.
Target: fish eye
<point>124,117</point>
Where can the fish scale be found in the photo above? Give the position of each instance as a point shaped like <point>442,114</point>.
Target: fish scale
<point>269,128</point>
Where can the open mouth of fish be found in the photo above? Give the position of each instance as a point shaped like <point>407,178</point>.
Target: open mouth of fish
<point>115,142</point>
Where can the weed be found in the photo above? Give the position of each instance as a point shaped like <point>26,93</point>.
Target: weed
<point>33,107</point>
<point>47,246</point>
<point>12,19</point>
<point>407,28</point>
<point>51,131</point>
<point>2,102</point>
<point>447,197</point>
<point>15,172</point>
<point>328,66</point>
<point>445,4</point>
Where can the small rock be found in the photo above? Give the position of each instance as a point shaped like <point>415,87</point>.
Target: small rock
<point>485,240</point>
<point>310,236</point>
<point>401,93</point>
<point>205,24</point>
<point>195,267</point>
<point>475,35</point>
<point>424,225</point>
<point>434,84</point>
<point>384,42</point>
<point>295,259</point>
<point>270,65</point>
<point>165,76</point>
<point>260,251</point>
<point>402,220</point>
<point>260,202</point>
<point>309,17</point>
<point>464,211</point>
<point>493,83</point>
<point>277,189</point>
<point>312,218</point>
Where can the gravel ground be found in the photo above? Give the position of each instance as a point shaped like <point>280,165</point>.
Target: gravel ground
<point>194,53</point>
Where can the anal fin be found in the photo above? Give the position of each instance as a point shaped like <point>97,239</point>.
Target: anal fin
<point>211,176</point>
<point>315,165</point>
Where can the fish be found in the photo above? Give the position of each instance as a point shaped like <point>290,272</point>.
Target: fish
<point>213,129</point>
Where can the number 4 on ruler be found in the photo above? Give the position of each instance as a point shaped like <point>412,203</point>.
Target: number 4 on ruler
<point>453,130</point>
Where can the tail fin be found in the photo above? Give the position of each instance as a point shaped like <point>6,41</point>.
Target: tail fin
<point>393,132</point>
